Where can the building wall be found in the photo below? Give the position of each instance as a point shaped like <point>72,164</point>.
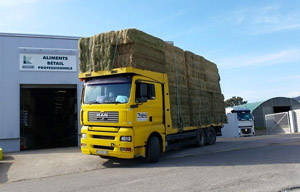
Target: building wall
<point>11,78</point>
<point>267,108</point>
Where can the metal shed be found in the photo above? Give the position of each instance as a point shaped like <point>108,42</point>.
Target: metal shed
<point>39,91</point>
<point>273,105</point>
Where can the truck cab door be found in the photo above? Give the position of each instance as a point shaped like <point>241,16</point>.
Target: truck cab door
<point>148,99</point>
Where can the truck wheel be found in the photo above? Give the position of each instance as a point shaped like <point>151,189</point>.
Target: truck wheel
<point>200,137</point>
<point>153,150</point>
<point>211,136</point>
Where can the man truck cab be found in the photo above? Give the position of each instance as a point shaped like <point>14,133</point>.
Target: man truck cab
<point>245,120</point>
<point>125,113</point>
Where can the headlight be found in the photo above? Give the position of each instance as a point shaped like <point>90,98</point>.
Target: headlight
<point>83,136</point>
<point>125,138</point>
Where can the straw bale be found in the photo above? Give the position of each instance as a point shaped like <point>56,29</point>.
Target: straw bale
<point>210,67</point>
<point>104,38</point>
<point>101,56</point>
<point>183,105</point>
<point>175,65</point>
<point>194,61</point>
<point>213,87</point>
<point>140,56</point>
<point>206,100</point>
<point>212,77</point>
<point>196,89</point>
<point>128,36</point>
<point>134,35</point>
<point>84,50</point>
<point>97,52</point>
<point>182,80</point>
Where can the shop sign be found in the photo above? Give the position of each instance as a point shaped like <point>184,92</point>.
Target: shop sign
<point>47,62</point>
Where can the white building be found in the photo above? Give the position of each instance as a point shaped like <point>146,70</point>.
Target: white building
<point>39,92</point>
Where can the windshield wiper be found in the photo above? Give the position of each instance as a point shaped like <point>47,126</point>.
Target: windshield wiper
<point>93,102</point>
<point>105,102</point>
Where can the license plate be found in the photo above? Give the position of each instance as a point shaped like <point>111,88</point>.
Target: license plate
<point>102,152</point>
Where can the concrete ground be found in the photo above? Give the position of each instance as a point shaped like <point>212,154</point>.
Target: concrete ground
<point>53,163</point>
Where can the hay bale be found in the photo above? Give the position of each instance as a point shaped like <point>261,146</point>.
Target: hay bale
<point>140,56</point>
<point>84,54</point>
<point>101,56</point>
<point>128,36</point>
<point>176,69</point>
<point>135,48</point>
<point>194,85</point>
<point>206,104</point>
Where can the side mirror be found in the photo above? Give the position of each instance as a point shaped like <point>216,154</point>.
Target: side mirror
<point>141,100</point>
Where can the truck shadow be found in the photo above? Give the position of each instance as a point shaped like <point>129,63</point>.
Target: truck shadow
<point>271,154</point>
<point>114,162</point>
<point>5,164</point>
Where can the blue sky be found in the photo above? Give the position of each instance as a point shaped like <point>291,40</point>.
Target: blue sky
<point>255,43</point>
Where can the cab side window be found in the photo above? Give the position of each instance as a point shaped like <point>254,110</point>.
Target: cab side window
<point>150,91</point>
<point>144,92</point>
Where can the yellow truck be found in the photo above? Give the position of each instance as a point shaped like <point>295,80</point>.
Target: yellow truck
<point>126,113</point>
<point>143,96</point>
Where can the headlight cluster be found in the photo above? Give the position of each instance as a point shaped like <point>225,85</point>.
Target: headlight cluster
<point>83,136</point>
<point>125,138</point>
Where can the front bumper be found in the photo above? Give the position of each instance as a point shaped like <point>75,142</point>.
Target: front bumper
<point>105,141</point>
<point>246,131</point>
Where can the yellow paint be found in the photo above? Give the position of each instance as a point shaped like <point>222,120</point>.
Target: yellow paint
<point>152,75</point>
<point>102,131</point>
<point>1,154</point>
<point>108,134</point>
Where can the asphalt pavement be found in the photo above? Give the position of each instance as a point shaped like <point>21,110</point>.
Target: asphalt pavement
<point>261,163</point>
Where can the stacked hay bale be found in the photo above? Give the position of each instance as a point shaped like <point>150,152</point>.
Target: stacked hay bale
<point>134,49</point>
<point>177,77</point>
<point>195,95</point>
<point>206,101</point>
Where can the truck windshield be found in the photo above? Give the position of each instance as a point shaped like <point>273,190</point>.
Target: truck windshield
<point>244,116</point>
<point>108,90</point>
<point>107,93</point>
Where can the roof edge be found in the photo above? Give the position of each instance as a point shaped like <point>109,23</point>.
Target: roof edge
<point>39,36</point>
<point>254,105</point>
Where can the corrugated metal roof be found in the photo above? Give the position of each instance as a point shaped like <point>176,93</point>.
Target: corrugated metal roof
<point>252,106</point>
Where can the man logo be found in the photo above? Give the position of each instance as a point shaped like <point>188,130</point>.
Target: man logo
<point>27,60</point>
<point>101,115</point>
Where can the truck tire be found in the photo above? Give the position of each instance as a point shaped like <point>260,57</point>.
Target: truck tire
<point>200,137</point>
<point>211,136</point>
<point>153,150</point>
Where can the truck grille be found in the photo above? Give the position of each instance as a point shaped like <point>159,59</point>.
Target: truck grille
<point>104,137</point>
<point>103,147</point>
<point>97,116</point>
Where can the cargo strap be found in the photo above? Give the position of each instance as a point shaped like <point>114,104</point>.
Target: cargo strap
<point>115,52</point>
<point>90,62</point>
